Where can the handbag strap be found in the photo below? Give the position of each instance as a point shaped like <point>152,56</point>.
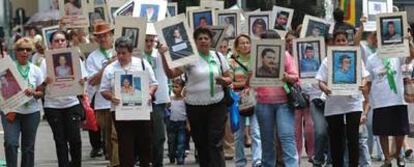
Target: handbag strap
<point>221,67</point>
<point>240,64</point>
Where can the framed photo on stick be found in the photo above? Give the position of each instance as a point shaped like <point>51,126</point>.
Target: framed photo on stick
<point>281,18</point>
<point>12,86</point>
<point>132,90</point>
<point>268,62</point>
<point>133,28</point>
<point>371,8</point>
<point>230,19</point>
<point>344,70</point>
<point>315,27</point>
<point>63,67</point>
<point>258,22</point>
<point>309,54</point>
<point>201,18</point>
<point>153,10</point>
<point>74,13</point>
<point>391,33</point>
<point>175,33</point>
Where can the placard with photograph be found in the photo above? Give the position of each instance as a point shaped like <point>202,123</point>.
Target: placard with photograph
<point>172,9</point>
<point>344,70</point>
<point>258,22</point>
<point>46,33</point>
<point>114,6</point>
<point>308,53</point>
<point>74,13</point>
<point>103,12</point>
<point>268,57</point>
<point>315,27</point>
<point>371,8</point>
<point>132,89</point>
<point>218,36</point>
<point>133,28</point>
<point>281,18</point>
<point>63,67</point>
<point>391,30</point>
<point>125,10</point>
<point>212,4</point>
<point>201,18</point>
<point>153,10</point>
<point>12,86</point>
<point>175,33</point>
<point>230,19</point>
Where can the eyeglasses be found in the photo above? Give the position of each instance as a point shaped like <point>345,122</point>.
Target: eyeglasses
<point>102,36</point>
<point>24,49</point>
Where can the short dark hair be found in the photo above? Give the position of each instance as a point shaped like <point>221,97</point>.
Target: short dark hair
<point>339,32</point>
<point>270,34</point>
<point>124,42</point>
<point>390,22</point>
<point>57,32</point>
<point>267,50</point>
<point>283,13</point>
<point>308,47</point>
<point>203,18</point>
<point>343,57</point>
<point>202,30</point>
<point>338,15</point>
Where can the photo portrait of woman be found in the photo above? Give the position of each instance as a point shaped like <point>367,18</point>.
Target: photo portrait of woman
<point>73,7</point>
<point>129,94</point>
<point>63,70</point>
<point>258,27</point>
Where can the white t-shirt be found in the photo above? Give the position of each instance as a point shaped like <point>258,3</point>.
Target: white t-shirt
<point>108,77</point>
<point>37,59</point>
<point>381,95</point>
<point>64,101</point>
<point>94,63</point>
<point>36,78</point>
<point>336,105</point>
<point>366,51</point>
<point>161,95</point>
<point>197,89</point>
<point>178,112</point>
<point>312,89</point>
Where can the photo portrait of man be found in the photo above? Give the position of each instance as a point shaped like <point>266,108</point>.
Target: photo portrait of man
<point>270,63</point>
<point>309,62</point>
<point>344,72</point>
<point>281,20</point>
<point>391,34</point>
<point>150,11</point>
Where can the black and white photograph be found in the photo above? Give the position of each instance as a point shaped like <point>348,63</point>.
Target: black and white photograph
<point>258,23</point>
<point>391,33</point>
<point>344,70</point>
<point>373,7</point>
<point>315,27</point>
<point>308,53</point>
<point>230,19</point>
<point>133,28</point>
<point>176,34</point>
<point>132,34</point>
<point>268,62</point>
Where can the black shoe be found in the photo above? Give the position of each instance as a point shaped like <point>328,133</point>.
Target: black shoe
<point>400,161</point>
<point>408,153</point>
<point>172,160</point>
<point>96,152</point>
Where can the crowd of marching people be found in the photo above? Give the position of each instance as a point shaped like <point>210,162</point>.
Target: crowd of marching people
<point>190,102</point>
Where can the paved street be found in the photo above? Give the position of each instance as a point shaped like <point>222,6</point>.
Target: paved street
<point>46,157</point>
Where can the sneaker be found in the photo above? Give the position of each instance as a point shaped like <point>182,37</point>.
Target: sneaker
<point>95,152</point>
<point>172,160</point>
<point>400,161</point>
<point>408,153</point>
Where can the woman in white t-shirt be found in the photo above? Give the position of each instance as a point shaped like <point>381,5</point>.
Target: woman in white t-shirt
<point>343,113</point>
<point>204,94</point>
<point>386,88</point>
<point>64,114</point>
<point>24,120</point>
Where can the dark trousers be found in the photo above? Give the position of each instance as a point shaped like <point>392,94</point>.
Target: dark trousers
<point>176,139</point>
<point>344,128</point>
<point>134,137</point>
<point>207,129</point>
<point>65,125</point>
<point>158,126</point>
<point>95,137</point>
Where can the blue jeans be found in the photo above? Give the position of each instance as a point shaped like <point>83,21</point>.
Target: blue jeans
<point>26,125</point>
<point>176,140</point>
<point>241,160</point>
<point>321,147</point>
<point>280,117</point>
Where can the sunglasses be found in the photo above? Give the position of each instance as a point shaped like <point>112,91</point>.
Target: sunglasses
<point>24,49</point>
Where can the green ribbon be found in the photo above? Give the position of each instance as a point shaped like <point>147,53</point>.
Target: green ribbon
<point>103,51</point>
<point>390,75</point>
<point>211,64</point>
<point>149,59</point>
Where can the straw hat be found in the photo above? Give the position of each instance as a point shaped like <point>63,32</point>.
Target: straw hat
<point>102,28</point>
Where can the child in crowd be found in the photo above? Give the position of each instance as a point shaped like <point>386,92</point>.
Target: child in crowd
<point>177,124</point>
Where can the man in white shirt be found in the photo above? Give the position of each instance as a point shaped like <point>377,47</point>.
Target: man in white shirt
<point>95,64</point>
<point>161,97</point>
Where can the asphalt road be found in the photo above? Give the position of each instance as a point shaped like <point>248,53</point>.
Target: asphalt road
<point>46,156</point>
